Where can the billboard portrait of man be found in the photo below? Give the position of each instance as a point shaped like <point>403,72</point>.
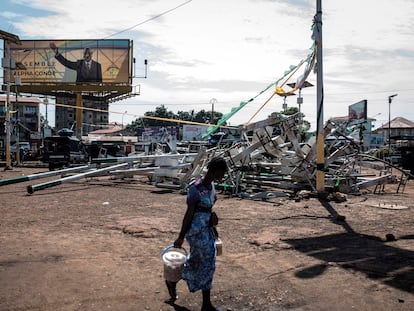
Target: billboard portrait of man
<point>69,61</point>
<point>87,70</point>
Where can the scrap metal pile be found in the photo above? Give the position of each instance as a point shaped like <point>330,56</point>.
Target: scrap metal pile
<point>270,160</point>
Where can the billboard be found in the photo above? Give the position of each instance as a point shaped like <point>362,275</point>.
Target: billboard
<point>72,61</point>
<point>194,132</point>
<point>158,134</point>
<point>357,113</point>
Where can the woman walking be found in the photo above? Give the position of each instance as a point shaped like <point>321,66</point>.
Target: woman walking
<point>198,228</point>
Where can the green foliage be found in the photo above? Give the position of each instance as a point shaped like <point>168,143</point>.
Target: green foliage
<point>201,116</point>
<point>382,152</point>
<point>306,125</point>
<point>290,111</point>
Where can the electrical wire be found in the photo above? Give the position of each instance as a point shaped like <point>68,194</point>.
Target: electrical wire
<point>149,19</point>
<point>137,116</point>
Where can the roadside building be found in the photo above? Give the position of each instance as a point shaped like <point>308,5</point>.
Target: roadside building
<point>114,139</point>
<point>398,127</point>
<point>25,121</point>
<point>94,115</point>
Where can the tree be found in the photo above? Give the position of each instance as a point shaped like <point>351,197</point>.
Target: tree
<point>160,112</point>
<point>293,110</point>
<point>201,116</point>
<point>185,116</point>
<point>290,111</point>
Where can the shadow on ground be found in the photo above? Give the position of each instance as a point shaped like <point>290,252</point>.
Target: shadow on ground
<point>366,254</point>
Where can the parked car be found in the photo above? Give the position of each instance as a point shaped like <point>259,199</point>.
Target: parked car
<point>22,144</point>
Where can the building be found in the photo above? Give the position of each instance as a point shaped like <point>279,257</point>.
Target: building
<point>92,119</point>
<point>113,130</point>
<point>114,140</point>
<point>25,121</point>
<point>369,138</point>
<point>398,127</point>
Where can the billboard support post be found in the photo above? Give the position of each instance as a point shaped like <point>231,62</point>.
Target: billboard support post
<point>79,112</point>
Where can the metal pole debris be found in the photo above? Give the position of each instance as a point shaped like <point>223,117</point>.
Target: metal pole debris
<point>32,189</point>
<point>140,158</point>
<point>16,180</point>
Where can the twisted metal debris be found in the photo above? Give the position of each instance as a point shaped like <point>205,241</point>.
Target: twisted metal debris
<point>271,160</point>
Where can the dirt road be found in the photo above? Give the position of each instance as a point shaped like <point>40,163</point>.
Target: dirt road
<point>95,244</point>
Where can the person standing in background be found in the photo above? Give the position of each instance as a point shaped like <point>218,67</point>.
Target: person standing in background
<point>21,155</point>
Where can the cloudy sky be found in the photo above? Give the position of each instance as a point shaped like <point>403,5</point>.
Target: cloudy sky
<point>231,50</point>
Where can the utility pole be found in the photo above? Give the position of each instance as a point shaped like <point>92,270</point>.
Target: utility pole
<point>79,116</point>
<point>320,138</point>
<point>8,108</point>
<point>9,64</point>
<point>16,122</point>
<point>389,122</point>
<point>46,121</point>
<point>123,119</point>
<point>212,102</point>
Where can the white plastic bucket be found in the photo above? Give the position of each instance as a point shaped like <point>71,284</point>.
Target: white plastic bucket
<point>173,263</point>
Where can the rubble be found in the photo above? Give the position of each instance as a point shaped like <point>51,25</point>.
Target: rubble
<point>272,160</point>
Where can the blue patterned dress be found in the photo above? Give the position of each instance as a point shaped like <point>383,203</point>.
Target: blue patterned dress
<point>201,263</point>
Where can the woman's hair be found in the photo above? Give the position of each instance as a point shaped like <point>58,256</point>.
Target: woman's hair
<point>217,164</point>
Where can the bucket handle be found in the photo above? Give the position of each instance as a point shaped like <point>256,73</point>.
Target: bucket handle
<point>172,246</point>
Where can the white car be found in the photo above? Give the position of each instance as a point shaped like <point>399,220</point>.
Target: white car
<point>23,144</point>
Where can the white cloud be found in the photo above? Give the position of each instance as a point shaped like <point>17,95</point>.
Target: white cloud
<point>231,50</point>
<point>9,15</point>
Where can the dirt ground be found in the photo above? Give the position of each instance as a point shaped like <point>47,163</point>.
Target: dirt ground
<point>95,244</point>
